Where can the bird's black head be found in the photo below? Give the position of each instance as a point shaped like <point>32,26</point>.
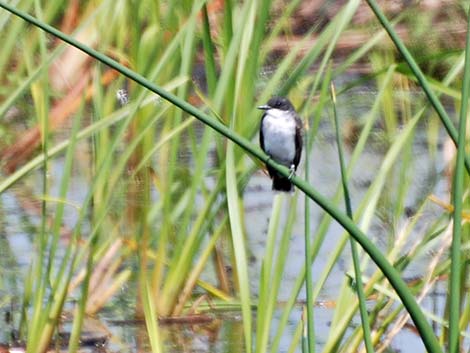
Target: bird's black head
<point>280,103</point>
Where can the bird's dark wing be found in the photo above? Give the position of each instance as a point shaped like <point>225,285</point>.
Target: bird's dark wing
<point>298,140</point>
<point>261,137</point>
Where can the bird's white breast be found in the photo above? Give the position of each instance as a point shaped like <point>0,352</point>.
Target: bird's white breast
<point>279,136</point>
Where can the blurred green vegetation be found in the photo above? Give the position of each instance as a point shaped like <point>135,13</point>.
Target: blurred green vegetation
<point>162,194</point>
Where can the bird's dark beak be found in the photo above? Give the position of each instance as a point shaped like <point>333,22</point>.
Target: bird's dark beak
<point>264,107</point>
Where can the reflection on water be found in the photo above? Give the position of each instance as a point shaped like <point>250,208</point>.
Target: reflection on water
<point>223,334</point>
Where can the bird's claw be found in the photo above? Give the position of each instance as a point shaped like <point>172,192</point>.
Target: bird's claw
<point>292,172</point>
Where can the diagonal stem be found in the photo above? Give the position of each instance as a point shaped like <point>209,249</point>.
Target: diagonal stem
<point>435,102</point>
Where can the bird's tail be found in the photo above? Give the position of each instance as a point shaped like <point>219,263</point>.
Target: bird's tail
<point>281,183</point>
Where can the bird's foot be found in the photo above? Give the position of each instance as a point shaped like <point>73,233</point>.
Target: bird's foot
<point>292,172</point>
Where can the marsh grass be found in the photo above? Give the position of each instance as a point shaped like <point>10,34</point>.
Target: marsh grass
<point>185,208</point>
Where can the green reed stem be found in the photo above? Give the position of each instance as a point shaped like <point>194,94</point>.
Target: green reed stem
<point>310,341</point>
<point>265,310</point>
<point>238,243</point>
<point>457,195</point>
<point>209,53</point>
<point>355,255</point>
<point>424,329</point>
<point>40,94</point>
<point>433,99</point>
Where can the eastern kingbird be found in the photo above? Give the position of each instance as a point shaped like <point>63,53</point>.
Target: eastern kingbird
<point>281,138</point>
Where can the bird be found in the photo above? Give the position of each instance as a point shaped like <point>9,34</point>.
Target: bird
<point>280,138</point>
